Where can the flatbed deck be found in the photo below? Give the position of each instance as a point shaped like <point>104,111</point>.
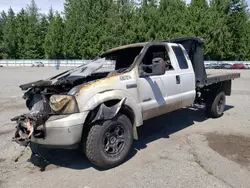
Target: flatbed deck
<point>220,77</point>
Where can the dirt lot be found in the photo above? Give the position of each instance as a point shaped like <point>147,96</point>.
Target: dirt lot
<point>180,149</point>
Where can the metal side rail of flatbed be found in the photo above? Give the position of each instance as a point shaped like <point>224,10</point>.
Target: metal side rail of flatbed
<point>220,77</point>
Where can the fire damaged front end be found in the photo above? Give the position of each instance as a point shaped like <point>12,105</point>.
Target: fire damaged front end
<point>54,118</point>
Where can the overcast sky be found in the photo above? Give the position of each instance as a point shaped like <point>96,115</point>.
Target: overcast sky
<point>43,5</point>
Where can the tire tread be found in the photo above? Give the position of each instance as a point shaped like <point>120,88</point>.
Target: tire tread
<point>91,149</point>
<point>211,108</point>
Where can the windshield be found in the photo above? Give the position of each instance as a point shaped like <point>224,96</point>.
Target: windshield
<point>89,68</point>
<point>117,61</point>
<point>84,69</point>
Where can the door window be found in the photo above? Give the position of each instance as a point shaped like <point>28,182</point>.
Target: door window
<point>157,51</point>
<point>180,57</point>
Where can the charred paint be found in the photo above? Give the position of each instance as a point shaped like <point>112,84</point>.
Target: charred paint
<point>108,80</point>
<point>125,47</point>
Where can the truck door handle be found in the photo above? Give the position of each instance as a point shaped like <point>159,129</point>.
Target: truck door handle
<point>178,80</point>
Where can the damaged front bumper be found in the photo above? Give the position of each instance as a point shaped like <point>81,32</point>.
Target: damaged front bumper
<point>54,120</point>
<point>26,127</point>
<point>56,131</point>
<point>62,131</point>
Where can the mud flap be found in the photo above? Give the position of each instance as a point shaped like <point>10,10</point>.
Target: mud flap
<point>135,133</point>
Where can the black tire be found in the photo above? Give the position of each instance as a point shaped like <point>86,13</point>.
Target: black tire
<point>216,105</point>
<point>109,142</point>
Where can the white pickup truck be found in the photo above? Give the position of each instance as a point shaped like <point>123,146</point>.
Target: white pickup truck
<point>100,111</point>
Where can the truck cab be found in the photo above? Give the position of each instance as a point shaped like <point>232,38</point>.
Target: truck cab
<point>170,87</point>
<point>174,88</point>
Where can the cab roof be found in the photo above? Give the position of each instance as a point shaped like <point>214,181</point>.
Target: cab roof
<point>142,44</point>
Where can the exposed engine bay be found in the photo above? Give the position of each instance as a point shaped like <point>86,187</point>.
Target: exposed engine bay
<point>52,96</point>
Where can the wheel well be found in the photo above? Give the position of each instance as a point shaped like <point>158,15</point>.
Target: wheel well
<point>211,91</point>
<point>126,110</point>
<point>222,86</point>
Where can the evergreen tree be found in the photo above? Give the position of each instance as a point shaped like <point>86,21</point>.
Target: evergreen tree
<point>22,32</point>
<point>43,30</point>
<point>173,20</point>
<point>89,27</point>
<point>3,48</point>
<point>85,27</point>
<point>73,33</point>
<point>238,24</point>
<point>198,17</point>
<point>120,26</point>
<point>33,47</point>
<point>227,34</point>
<point>9,35</point>
<point>54,38</point>
<point>50,15</point>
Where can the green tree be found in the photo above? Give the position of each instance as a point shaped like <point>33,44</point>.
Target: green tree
<point>229,31</point>
<point>72,10</point>
<point>89,27</point>
<point>173,19</point>
<point>3,49</point>
<point>219,45</point>
<point>50,15</point>
<point>238,25</point>
<point>198,15</point>
<point>22,32</point>
<point>9,37</point>
<point>33,47</point>
<point>85,27</point>
<point>54,38</point>
<point>120,26</point>
<point>43,30</point>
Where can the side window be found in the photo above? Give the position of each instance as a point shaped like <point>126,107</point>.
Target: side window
<point>180,57</point>
<point>157,51</point>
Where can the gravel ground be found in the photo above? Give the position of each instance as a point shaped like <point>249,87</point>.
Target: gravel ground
<point>180,149</point>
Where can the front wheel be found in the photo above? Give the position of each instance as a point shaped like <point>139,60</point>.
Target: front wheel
<point>108,143</point>
<point>216,105</point>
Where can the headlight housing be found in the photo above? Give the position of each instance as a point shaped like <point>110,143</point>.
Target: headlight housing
<point>63,104</point>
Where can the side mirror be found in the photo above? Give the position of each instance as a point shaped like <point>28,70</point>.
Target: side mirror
<point>158,67</point>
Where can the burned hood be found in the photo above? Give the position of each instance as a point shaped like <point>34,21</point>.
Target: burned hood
<point>69,76</point>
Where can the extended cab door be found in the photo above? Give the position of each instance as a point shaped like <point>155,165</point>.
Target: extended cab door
<point>186,74</point>
<point>159,94</point>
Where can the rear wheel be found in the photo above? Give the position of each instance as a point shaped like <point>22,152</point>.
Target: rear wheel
<point>216,105</point>
<point>108,143</point>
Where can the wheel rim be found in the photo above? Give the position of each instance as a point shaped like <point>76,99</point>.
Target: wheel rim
<point>114,141</point>
<point>221,104</point>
